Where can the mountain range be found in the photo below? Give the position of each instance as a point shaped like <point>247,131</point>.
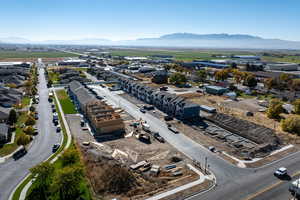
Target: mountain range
<point>222,40</point>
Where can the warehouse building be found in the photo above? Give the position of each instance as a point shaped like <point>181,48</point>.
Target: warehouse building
<point>282,66</point>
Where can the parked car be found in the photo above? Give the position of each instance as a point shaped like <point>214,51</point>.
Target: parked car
<point>82,123</point>
<point>168,118</point>
<point>19,153</point>
<point>158,137</point>
<point>212,148</point>
<point>53,110</point>
<point>58,129</point>
<point>55,147</point>
<point>281,172</point>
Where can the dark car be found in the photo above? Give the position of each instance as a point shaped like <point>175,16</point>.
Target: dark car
<point>143,110</point>
<point>174,130</point>
<point>53,110</point>
<point>82,123</point>
<point>158,137</point>
<point>55,147</point>
<point>55,122</point>
<point>50,99</point>
<point>58,129</point>
<point>168,118</point>
<point>19,153</point>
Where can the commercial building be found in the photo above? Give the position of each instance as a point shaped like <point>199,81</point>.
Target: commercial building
<point>15,64</point>
<point>282,66</point>
<point>216,90</point>
<point>73,62</point>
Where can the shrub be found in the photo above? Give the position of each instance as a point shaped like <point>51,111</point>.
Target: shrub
<point>23,139</point>
<point>69,157</point>
<point>29,130</point>
<point>296,104</point>
<point>12,117</point>
<point>291,125</point>
<point>275,109</point>
<point>30,121</point>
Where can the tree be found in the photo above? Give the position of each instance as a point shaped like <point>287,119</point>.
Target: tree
<point>23,139</point>
<point>238,76</point>
<point>69,157</point>
<point>221,75</point>
<point>202,75</point>
<point>291,125</point>
<point>49,84</point>
<point>296,104</point>
<point>65,183</point>
<point>29,130</point>
<point>177,78</point>
<point>270,83</point>
<point>295,86</point>
<point>43,174</point>
<point>250,80</point>
<point>30,121</point>
<point>275,109</point>
<point>12,117</point>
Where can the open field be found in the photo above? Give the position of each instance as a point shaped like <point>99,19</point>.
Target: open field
<point>189,55</point>
<point>67,106</point>
<point>24,54</point>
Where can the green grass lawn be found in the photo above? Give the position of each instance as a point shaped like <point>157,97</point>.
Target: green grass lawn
<point>66,104</point>
<point>21,54</point>
<point>9,148</point>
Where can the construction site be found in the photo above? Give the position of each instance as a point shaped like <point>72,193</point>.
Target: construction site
<point>138,166</point>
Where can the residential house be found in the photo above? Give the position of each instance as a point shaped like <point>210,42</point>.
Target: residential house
<point>4,132</point>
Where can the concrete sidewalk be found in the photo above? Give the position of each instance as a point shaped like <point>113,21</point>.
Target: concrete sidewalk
<point>201,179</point>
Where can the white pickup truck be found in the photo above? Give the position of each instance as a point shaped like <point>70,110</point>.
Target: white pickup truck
<point>295,187</point>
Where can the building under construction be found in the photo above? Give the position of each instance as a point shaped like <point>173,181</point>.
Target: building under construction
<point>102,117</point>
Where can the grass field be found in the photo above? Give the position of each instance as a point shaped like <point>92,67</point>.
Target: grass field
<point>66,104</point>
<point>189,55</point>
<point>24,54</point>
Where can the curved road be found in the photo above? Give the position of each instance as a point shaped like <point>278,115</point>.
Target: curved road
<point>12,172</point>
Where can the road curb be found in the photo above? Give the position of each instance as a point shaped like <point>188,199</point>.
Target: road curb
<point>68,143</point>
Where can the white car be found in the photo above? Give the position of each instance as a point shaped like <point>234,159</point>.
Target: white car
<point>282,171</point>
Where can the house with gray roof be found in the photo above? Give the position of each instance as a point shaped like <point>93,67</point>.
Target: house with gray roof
<point>4,133</point>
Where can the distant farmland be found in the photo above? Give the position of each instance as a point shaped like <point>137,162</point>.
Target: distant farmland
<point>25,54</point>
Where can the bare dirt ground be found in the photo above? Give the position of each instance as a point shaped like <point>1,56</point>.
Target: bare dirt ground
<point>119,154</point>
<point>239,108</point>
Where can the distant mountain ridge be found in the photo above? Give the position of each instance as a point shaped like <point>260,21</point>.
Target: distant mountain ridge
<point>222,40</point>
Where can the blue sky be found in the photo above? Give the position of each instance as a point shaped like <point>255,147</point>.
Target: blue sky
<point>130,19</point>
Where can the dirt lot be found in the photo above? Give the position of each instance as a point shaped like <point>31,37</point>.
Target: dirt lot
<point>104,159</point>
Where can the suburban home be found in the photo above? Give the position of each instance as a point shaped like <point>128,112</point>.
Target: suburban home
<point>4,133</point>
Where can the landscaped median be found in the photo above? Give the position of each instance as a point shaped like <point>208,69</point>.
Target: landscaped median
<point>65,144</point>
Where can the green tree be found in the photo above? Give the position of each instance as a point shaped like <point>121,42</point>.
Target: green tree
<point>23,139</point>
<point>296,104</point>
<point>177,78</point>
<point>291,125</point>
<point>69,157</point>
<point>12,117</point>
<point>275,109</point>
<point>250,80</point>
<point>43,174</point>
<point>30,121</point>
<point>65,185</point>
<point>202,75</point>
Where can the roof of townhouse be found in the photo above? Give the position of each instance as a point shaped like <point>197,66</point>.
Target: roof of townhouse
<point>74,85</point>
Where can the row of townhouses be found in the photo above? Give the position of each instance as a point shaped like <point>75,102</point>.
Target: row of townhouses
<point>171,104</point>
<point>102,117</point>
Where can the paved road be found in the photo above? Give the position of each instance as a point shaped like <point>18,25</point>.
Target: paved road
<point>12,172</point>
<point>232,182</point>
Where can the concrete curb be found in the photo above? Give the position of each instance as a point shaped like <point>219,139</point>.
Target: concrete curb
<point>69,140</point>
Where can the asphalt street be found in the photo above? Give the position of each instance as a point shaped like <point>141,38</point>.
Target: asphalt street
<point>232,182</point>
<point>12,172</point>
